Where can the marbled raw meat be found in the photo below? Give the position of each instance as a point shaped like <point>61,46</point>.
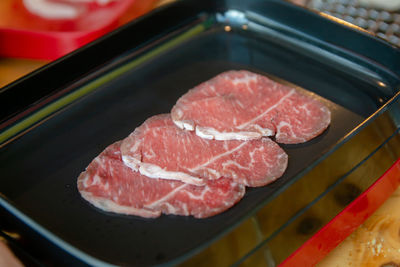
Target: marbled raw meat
<point>159,149</point>
<point>243,105</point>
<point>110,185</point>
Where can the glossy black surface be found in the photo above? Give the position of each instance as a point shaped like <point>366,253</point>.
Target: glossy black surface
<point>30,247</point>
<point>39,170</point>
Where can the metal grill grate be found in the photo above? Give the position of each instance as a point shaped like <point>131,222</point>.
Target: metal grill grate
<point>385,24</point>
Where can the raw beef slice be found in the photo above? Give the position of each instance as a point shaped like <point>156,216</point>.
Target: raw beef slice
<point>110,185</point>
<point>159,149</point>
<point>243,105</point>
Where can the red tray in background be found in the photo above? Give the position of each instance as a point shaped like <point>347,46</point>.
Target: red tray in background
<point>25,35</point>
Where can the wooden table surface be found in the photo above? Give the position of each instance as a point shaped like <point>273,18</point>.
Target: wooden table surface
<point>376,243</point>
<point>11,68</point>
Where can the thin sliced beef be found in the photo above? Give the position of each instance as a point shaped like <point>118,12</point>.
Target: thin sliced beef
<point>110,185</point>
<point>159,149</point>
<point>243,105</point>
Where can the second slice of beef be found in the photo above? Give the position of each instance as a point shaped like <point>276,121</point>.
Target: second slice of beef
<point>159,149</point>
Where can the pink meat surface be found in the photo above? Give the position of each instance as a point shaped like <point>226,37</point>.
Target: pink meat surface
<point>110,185</point>
<point>159,149</point>
<point>244,105</point>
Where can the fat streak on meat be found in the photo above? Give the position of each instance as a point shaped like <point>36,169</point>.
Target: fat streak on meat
<point>243,105</point>
<point>159,149</point>
<point>110,185</point>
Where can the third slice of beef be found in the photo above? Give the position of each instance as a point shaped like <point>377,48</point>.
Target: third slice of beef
<point>110,185</point>
<point>243,105</point>
<point>159,149</point>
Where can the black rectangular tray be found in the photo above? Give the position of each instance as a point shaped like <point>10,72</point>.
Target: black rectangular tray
<point>90,102</point>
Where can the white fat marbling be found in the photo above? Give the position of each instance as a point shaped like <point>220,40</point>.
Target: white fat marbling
<point>210,133</point>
